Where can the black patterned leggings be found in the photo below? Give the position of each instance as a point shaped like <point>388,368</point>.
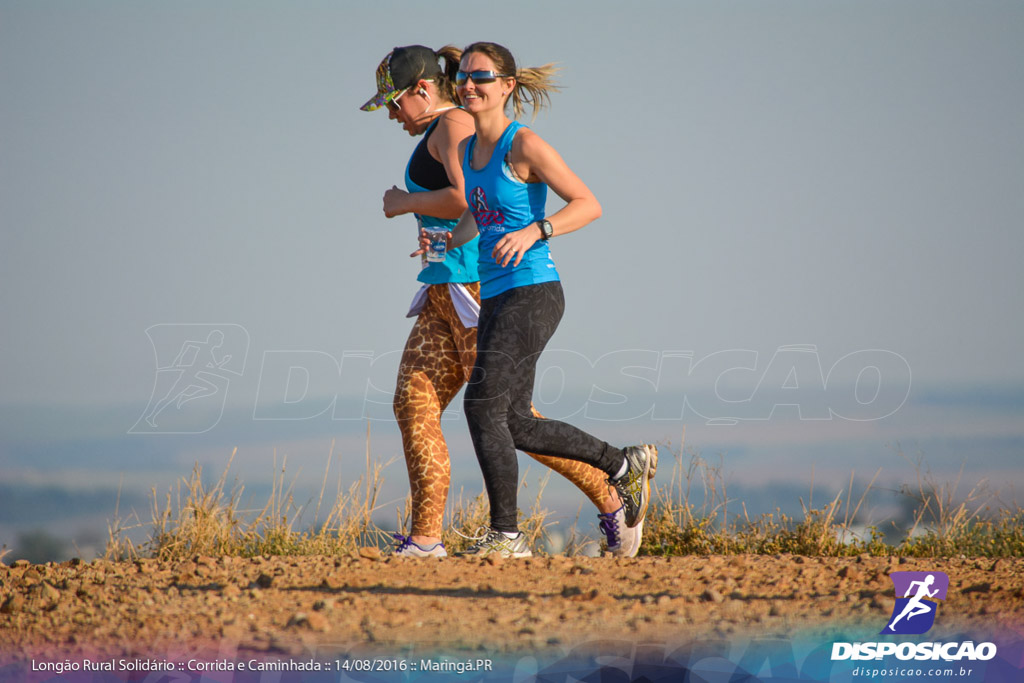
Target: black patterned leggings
<point>514,328</point>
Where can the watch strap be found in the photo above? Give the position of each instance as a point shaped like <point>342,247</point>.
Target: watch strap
<point>546,230</point>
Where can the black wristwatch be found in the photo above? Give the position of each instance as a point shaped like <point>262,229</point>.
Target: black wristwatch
<point>546,231</point>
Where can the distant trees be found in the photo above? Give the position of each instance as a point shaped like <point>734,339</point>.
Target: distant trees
<point>39,547</point>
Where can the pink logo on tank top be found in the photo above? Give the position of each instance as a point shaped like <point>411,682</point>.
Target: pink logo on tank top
<point>485,218</point>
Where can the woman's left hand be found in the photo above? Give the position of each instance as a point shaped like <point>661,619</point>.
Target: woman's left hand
<point>425,242</point>
<point>393,202</point>
<point>514,245</point>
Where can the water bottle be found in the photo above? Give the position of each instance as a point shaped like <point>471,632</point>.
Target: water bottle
<point>438,249</point>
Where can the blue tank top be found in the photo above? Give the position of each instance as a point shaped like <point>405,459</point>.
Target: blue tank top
<point>501,203</point>
<point>460,265</point>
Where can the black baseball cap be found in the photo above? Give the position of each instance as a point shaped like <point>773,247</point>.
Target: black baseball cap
<point>399,70</point>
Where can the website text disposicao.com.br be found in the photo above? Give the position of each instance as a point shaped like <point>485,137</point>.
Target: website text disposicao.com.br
<point>948,673</point>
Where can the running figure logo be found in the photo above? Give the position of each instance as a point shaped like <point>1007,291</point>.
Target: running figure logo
<point>485,218</point>
<point>914,612</point>
<point>194,365</point>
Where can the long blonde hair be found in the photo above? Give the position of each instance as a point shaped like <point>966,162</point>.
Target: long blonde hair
<point>534,85</point>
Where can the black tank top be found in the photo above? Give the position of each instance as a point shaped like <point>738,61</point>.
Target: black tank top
<point>425,170</point>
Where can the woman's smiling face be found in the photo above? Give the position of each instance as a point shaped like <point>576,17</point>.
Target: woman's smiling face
<point>481,96</point>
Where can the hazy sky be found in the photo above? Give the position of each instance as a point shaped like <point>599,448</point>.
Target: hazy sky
<point>836,175</point>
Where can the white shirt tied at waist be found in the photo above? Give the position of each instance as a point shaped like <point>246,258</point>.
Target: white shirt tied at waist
<point>465,305</point>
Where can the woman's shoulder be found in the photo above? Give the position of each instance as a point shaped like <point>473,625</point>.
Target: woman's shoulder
<point>455,119</point>
<point>527,143</point>
<point>453,128</point>
<point>523,134</point>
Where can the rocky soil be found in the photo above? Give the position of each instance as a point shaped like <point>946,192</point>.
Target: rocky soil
<point>212,608</point>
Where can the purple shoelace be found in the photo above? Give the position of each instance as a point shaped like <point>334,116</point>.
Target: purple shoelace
<point>404,542</point>
<point>610,528</point>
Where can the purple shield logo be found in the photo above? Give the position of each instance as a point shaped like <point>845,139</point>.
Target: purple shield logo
<point>916,593</point>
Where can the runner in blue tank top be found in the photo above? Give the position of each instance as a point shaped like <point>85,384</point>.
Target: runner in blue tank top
<point>441,349</point>
<point>507,170</point>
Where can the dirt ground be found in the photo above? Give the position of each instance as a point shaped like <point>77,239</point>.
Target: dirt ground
<point>305,607</point>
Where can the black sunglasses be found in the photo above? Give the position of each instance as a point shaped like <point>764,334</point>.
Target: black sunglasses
<point>479,77</point>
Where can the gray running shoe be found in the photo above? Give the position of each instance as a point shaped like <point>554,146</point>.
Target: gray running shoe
<point>623,541</point>
<point>634,487</point>
<point>407,548</point>
<point>495,542</point>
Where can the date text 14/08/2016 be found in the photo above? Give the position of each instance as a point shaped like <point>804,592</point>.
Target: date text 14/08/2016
<point>459,666</point>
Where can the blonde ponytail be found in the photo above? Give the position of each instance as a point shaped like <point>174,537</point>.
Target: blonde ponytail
<point>533,88</point>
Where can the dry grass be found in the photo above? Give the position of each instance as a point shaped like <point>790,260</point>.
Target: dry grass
<point>943,523</point>
<point>202,520</point>
<point>199,519</point>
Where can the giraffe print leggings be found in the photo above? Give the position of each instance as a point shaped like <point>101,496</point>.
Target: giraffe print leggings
<point>438,359</point>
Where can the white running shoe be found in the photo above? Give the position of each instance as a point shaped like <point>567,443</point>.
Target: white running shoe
<point>496,542</point>
<point>406,548</point>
